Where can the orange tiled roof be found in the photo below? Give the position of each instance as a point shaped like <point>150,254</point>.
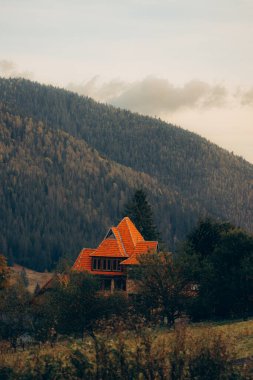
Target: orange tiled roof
<point>145,246</point>
<point>129,235</point>
<point>123,241</point>
<point>141,248</point>
<point>83,261</point>
<point>131,260</point>
<point>109,248</point>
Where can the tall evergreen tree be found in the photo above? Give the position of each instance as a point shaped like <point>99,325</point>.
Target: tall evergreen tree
<point>37,289</point>
<point>24,278</point>
<point>140,212</point>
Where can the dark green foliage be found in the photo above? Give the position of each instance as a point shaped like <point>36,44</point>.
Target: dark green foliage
<point>139,211</point>
<point>7,373</point>
<point>220,258</point>
<point>50,194</point>
<point>77,304</point>
<point>72,306</point>
<point>52,175</point>
<point>207,367</point>
<point>163,287</point>
<point>14,312</point>
<point>64,265</point>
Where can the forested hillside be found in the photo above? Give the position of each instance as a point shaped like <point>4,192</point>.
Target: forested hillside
<point>217,180</point>
<point>67,171</point>
<point>58,195</point>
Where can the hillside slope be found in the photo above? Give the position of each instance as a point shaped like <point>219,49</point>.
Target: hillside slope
<point>58,195</point>
<point>201,172</point>
<point>68,165</point>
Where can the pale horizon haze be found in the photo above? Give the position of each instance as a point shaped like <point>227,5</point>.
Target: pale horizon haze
<point>187,62</point>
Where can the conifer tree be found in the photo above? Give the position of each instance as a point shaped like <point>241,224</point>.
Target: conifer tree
<point>24,278</point>
<point>37,289</point>
<point>140,212</point>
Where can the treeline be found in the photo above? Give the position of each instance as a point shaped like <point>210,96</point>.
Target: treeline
<point>58,195</point>
<point>210,278</point>
<point>68,165</point>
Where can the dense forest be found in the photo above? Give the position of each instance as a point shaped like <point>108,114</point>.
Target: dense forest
<point>68,165</point>
<point>58,194</point>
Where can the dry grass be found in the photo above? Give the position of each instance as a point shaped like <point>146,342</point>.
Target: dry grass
<point>33,277</point>
<point>147,349</point>
<point>239,333</point>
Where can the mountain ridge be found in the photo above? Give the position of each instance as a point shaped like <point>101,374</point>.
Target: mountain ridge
<point>51,193</point>
<point>194,176</point>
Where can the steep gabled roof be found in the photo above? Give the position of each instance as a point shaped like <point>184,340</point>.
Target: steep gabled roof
<point>132,260</point>
<point>129,235</point>
<point>123,241</point>
<point>145,246</point>
<point>83,261</point>
<point>111,246</point>
<point>142,247</point>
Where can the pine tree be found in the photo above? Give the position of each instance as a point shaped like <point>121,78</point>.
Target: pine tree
<point>140,212</point>
<point>24,277</point>
<point>37,289</point>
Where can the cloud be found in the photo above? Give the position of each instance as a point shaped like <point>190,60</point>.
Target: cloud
<point>8,69</point>
<point>154,96</point>
<point>247,98</point>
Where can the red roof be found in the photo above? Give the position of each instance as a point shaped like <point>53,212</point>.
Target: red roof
<point>83,260</point>
<point>111,246</point>
<point>122,242</point>
<point>145,246</point>
<point>129,235</point>
<point>131,260</point>
<point>141,247</point>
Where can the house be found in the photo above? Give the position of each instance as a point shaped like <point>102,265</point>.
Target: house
<point>113,259</point>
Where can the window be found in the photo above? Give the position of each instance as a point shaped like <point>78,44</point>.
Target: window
<point>114,264</point>
<point>94,264</point>
<point>108,265</point>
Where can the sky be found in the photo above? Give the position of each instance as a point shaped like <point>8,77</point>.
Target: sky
<point>188,62</point>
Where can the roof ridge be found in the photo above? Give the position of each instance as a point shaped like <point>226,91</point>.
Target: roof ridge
<point>129,229</point>
<point>122,241</point>
<point>109,229</point>
<point>122,245</point>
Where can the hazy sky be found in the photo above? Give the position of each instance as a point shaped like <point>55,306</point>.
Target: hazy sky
<point>189,62</point>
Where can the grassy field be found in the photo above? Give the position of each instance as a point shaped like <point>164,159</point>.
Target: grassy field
<point>240,333</point>
<point>33,277</point>
<point>237,336</point>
